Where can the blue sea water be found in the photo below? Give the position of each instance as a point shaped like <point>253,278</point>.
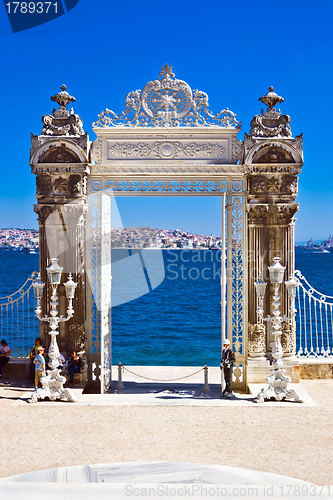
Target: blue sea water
<point>169,314</point>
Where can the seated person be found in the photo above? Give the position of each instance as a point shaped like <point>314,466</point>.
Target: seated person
<point>74,366</point>
<point>4,354</point>
<point>61,361</point>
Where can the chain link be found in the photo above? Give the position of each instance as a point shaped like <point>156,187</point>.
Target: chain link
<point>156,380</point>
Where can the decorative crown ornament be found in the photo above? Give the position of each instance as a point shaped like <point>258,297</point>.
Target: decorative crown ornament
<point>167,102</point>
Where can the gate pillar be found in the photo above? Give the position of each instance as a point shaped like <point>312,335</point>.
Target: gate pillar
<point>59,159</point>
<point>273,159</point>
<point>98,291</point>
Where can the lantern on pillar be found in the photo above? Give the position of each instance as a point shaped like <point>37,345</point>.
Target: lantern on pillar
<point>276,271</point>
<point>54,272</point>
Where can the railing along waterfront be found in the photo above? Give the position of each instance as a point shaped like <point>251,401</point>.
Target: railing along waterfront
<point>18,323</point>
<point>314,320</point>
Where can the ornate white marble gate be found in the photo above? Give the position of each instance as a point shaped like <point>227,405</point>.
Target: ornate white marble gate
<point>165,143</point>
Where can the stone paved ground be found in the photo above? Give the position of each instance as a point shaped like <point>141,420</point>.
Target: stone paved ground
<point>295,441</point>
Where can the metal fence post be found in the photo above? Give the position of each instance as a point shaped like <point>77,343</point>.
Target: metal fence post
<point>120,384</point>
<point>206,386</point>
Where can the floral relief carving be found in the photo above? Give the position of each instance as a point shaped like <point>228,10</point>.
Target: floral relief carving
<point>272,214</point>
<point>273,185</point>
<point>258,185</point>
<point>237,149</point>
<point>289,184</point>
<point>44,184</point>
<point>288,338</point>
<point>258,214</point>
<point>74,184</point>
<point>286,214</point>
<point>97,150</point>
<point>141,149</point>
<point>60,185</point>
<point>257,339</point>
<point>166,150</point>
<point>194,149</point>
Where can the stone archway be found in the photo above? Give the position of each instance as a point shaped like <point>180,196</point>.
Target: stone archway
<point>167,142</point>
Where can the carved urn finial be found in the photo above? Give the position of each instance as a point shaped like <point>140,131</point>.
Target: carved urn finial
<point>271,123</point>
<point>271,99</point>
<point>63,98</point>
<point>62,122</point>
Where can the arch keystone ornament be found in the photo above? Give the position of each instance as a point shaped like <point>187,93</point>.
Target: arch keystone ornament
<point>167,102</point>
<point>168,142</point>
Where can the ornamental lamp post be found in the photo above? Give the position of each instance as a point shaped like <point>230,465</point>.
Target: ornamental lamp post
<point>277,388</point>
<point>53,381</point>
<point>260,292</point>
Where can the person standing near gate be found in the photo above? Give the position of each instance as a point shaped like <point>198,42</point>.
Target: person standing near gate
<point>227,363</point>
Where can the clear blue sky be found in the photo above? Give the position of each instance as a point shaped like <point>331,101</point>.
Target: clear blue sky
<point>232,50</point>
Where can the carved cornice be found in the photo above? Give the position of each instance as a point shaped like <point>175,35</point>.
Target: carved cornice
<point>273,168</point>
<point>271,214</point>
<point>44,168</point>
<point>167,169</point>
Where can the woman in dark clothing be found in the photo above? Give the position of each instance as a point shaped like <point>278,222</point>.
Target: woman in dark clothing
<point>4,354</point>
<point>74,366</point>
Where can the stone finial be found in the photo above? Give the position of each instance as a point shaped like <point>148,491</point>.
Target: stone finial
<point>63,98</point>
<point>271,99</point>
<point>166,72</point>
<point>271,123</point>
<point>62,122</point>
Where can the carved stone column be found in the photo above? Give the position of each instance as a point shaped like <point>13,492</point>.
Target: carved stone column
<point>59,159</point>
<point>272,161</point>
